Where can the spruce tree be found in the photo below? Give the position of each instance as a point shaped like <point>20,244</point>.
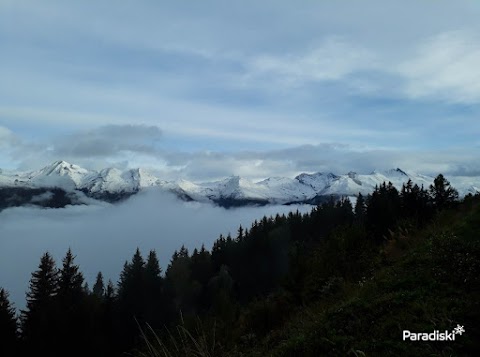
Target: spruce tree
<point>70,282</point>
<point>73,315</point>
<point>38,320</point>
<point>360,209</point>
<point>110,292</point>
<point>383,208</point>
<point>131,284</point>
<point>109,319</point>
<point>202,272</point>
<point>154,300</point>
<point>99,287</point>
<point>442,193</point>
<point>241,231</point>
<point>178,281</point>
<point>131,300</point>
<point>152,267</point>
<point>8,326</point>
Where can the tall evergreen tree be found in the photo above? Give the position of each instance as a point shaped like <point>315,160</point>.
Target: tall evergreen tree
<point>383,208</point>
<point>152,267</point>
<point>109,318</point>
<point>72,312</point>
<point>442,193</point>
<point>415,203</point>
<point>8,326</point>
<point>70,282</point>
<point>110,292</point>
<point>131,284</point>
<point>38,320</point>
<point>179,283</point>
<point>360,209</point>
<point>154,300</point>
<point>99,287</point>
<point>240,234</point>
<point>102,301</point>
<point>345,208</point>
<point>202,272</point>
<point>131,300</point>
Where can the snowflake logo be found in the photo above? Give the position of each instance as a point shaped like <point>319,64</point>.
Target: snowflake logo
<point>458,330</point>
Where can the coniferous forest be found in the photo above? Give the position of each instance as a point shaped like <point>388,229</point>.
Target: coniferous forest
<point>338,281</point>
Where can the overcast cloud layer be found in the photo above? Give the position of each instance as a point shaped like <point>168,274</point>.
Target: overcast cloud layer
<point>257,88</point>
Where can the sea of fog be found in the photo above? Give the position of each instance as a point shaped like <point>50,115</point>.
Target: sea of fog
<point>104,236</point>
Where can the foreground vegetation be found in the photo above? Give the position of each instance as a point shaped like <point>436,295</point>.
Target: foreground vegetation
<point>338,281</point>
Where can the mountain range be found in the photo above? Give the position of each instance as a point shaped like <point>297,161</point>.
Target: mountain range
<point>112,184</point>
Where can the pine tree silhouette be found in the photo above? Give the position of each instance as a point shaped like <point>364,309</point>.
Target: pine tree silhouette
<point>72,310</point>
<point>131,300</point>
<point>99,287</point>
<point>8,326</point>
<point>442,193</point>
<point>360,209</point>
<point>155,309</point>
<point>38,321</point>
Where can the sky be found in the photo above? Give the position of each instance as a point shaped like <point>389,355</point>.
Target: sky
<point>202,90</point>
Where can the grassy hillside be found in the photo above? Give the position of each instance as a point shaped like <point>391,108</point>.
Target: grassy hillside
<point>421,280</point>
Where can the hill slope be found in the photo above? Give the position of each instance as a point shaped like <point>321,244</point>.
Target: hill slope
<point>421,281</point>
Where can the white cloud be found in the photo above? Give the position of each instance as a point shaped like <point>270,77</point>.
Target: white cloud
<point>447,67</point>
<point>333,60</point>
<point>109,140</point>
<point>7,137</point>
<point>442,67</point>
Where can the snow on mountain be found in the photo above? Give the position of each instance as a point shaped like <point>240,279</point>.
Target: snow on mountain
<point>465,184</point>
<point>10,179</point>
<point>280,190</point>
<point>237,187</point>
<point>144,178</point>
<point>233,187</point>
<point>113,180</point>
<point>59,174</point>
<point>318,181</point>
<point>109,180</point>
<point>346,186</point>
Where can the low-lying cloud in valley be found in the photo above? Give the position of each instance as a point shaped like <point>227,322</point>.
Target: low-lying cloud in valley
<point>104,236</point>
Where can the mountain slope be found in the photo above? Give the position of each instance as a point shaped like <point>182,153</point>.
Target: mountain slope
<point>421,281</point>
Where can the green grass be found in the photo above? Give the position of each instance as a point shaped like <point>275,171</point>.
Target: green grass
<point>181,342</point>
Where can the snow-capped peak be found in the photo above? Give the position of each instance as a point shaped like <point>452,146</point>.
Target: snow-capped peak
<point>390,172</point>
<point>318,181</point>
<point>59,174</point>
<point>303,188</point>
<point>396,172</point>
<point>62,168</point>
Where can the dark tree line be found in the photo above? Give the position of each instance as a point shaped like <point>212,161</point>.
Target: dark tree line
<point>19,196</point>
<point>291,259</point>
<point>8,326</point>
